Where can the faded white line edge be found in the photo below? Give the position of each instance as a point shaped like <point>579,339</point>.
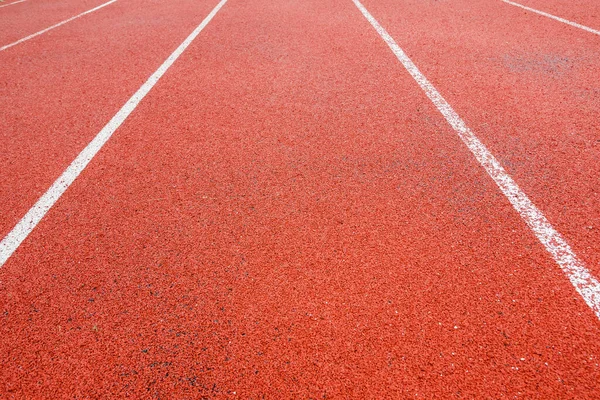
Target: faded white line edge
<point>581,278</point>
<point>545,14</point>
<point>55,26</point>
<point>23,228</point>
<point>14,2</point>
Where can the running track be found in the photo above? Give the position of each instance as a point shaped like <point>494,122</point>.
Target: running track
<point>286,214</point>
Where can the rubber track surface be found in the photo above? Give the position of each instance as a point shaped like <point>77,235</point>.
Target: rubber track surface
<point>531,94</point>
<point>286,215</point>
<point>59,89</point>
<point>586,12</point>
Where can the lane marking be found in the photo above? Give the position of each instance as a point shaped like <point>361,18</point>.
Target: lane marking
<point>545,14</point>
<point>55,26</point>
<point>23,228</point>
<point>581,278</point>
<point>10,4</point>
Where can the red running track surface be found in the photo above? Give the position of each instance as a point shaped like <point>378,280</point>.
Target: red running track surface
<point>527,85</point>
<point>32,16</point>
<point>584,12</point>
<point>60,88</point>
<point>286,215</point>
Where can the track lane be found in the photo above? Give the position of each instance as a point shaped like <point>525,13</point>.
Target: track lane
<point>531,100</point>
<point>286,214</point>
<point>574,269</point>
<point>59,91</point>
<point>585,12</point>
<point>29,222</point>
<point>2,5</point>
<point>55,26</point>
<point>33,16</point>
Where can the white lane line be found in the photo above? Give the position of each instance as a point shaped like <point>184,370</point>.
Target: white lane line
<point>545,14</point>
<point>15,237</point>
<point>10,4</point>
<point>581,278</point>
<point>55,26</point>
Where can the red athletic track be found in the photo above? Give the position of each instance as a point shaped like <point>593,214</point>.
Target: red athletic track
<point>32,16</point>
<point>585,12</point>
<point>287,215</point>
<point>528,86</point>
<point>60,88</point>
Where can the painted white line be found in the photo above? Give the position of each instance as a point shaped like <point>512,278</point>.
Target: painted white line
<point>15,237</point>
<point>55,26</point>
<point>10,4</point>
<point>581,278</point>
<point>545,14</point>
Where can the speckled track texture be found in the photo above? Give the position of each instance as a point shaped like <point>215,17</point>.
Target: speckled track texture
<point>286,214</point>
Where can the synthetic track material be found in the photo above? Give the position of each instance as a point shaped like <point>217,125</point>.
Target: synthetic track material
<point>581,278</point>
<point>545,14</point>
<point>33,16</point>
<point>287,215</point>
<point>55,102</point>
<point>531,100</point>
<point>33,35</point>
<point>585,12</point>
<point>15,237</point>
<point>10,4</point>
